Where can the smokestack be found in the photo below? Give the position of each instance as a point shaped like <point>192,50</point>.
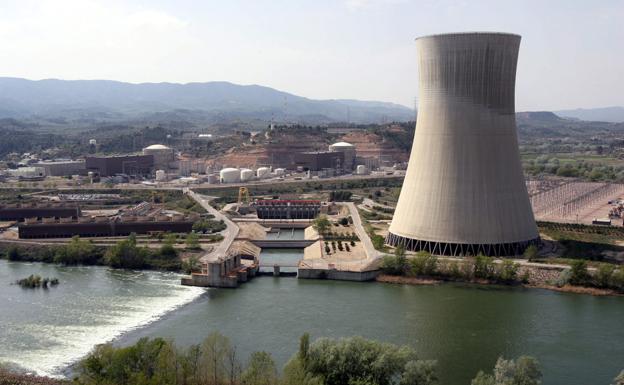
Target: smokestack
<point>464,191</point>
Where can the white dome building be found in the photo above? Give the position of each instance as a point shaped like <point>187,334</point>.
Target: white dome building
<point>162,154</point>
<point>349,153</point>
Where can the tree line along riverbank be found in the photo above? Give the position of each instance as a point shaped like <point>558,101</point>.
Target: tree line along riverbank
<point>125,253</point>
<point>424,268</point>
<point>215,361</point>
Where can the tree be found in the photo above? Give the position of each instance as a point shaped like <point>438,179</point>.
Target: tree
<point>192,241</point>
<point>604,277</point>
<point>578,272</point>
<point>261,370</point>
<point>530,252</point>
<point>419,373</point>
<point>523,371</point>
<point>75,252</point>
<point>321,224</point>
<point>619,380</point>
<point>126,254</point>
<point>214,352</point>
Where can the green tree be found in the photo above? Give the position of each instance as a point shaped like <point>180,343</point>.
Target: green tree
<point>393,265</point>
<point>619,380</point>
<point>321,224</point>
<point>126,254</point>
<point>76,251</point>
<point>579,274</point>
<point>530,252</point>
<point>192,241</point>
<point>483,266</point>
<point>191,264</point>
<point>423,264</point>
<point>523,371</point>
<point>261,370</point>
<point>214,352</point>
<point>508,271</point>
<point>604,276</point>
<point>13,253</point>
<point>419,373</point>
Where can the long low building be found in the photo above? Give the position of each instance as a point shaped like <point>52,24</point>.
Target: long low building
<point>100,229</point>
<point>62,167</point>
<point>20,213</point>
<point>126,164</point>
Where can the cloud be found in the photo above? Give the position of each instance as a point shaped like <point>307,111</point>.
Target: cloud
<point>356,5</point>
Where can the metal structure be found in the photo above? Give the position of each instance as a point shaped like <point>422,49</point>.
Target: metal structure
<point>464,191</point>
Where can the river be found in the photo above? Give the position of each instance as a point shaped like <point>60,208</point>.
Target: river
<point>578,339</point>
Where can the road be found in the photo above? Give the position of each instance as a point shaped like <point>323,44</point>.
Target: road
<point>229,234</point>
<point>369,249</point>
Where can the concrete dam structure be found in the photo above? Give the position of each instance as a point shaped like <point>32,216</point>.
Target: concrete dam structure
<point>464,191</point>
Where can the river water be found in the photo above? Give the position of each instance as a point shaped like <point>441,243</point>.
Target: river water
<point>578,339</point>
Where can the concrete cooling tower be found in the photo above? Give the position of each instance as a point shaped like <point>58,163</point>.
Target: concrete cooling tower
<point>464,191</point>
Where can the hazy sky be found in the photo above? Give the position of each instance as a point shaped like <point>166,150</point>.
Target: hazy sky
<point>572,52</point>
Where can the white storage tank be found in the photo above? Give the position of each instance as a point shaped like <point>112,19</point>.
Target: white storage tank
<point>361,170</point>
<point>229,175</point>
<point>280,171</point>
<point>262,172</point>
<point>213,179</point>
<point>161,176</point>
<point>246,174</point>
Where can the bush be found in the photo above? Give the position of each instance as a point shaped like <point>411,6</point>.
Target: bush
<point>393,265</point>
<point>604,276</point>
<point>77,251</point>
<point>423,264</point>
<point>530,252</point>
<point>378,241</point>
<point>483,267</point>
<point>523,371</point>
<point>126,254</point>
<point>578,273</point>
<point>508,271</point>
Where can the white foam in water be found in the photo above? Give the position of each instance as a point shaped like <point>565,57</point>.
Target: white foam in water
<point>70,343</point>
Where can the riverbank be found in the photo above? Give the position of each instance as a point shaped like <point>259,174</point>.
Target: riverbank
<point>416,281</point>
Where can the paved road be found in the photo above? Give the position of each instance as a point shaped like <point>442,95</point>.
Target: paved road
<point>229,234</point>
<point>369,249</point>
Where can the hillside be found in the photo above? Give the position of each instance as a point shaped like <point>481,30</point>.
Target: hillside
<point>606,114</point>
<point>66,103</point>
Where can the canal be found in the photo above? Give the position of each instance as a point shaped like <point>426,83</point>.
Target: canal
<point>577,338</point>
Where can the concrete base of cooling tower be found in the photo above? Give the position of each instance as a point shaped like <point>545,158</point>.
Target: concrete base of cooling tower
<point>461,249</point>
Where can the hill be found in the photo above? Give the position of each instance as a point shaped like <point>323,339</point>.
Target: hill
<point>78,102</point>
<point>606,114</point>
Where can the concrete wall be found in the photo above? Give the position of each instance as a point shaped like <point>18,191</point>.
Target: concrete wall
<point>338,275</point>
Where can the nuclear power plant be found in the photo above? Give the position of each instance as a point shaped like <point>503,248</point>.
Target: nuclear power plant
<point>464,191</point>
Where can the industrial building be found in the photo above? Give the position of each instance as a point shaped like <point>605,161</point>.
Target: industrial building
<point>348,150</point>
<point>319,160</point>
<point>287,209</point>
<point>62,167</point>
<point>106,227</point>
<point>464,191</point>
<point>163,155</point>
<point>23,212</point>
<point>125,164</point>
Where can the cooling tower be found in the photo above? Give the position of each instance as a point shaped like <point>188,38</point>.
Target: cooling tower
<point>464,191</point>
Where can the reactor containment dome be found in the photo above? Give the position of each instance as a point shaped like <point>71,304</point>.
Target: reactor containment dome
<point>464,191</point>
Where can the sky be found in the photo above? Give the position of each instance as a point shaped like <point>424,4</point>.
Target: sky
<point>571,55</point>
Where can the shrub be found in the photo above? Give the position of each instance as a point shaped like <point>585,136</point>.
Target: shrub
<point>508,271</point>
<point>578,272</point>
<point>530,252</point>
<point>483,267</point>
<point>523,371</point>
<point>423,264</point>
<point>604,276</point>
<point>393,265</point>
<point>378,241</point>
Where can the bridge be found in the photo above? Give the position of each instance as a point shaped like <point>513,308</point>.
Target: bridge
<point>282,243</point>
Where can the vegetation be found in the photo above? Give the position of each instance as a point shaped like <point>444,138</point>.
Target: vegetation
<point>35,281</point>
<point>209,226</point>
<point>523,371</point>
<point>321,224</point>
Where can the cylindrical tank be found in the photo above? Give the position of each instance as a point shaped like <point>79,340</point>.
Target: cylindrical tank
<point>229,175</point>
<point>361,169</point>
<point>92,142</point>
<point>262,172</point>
<point>246,174</point>
<point>212,178</point>
<point>161,176</point>
<point>280,171</point>
<point>464,191</point>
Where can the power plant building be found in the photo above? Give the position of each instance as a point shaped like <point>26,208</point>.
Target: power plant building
<point>62,167</point>
<point>464,191</point>
<point>348,151</point>
<point>163,155</point>
<point>319,160</point>
<point>125,164</point>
